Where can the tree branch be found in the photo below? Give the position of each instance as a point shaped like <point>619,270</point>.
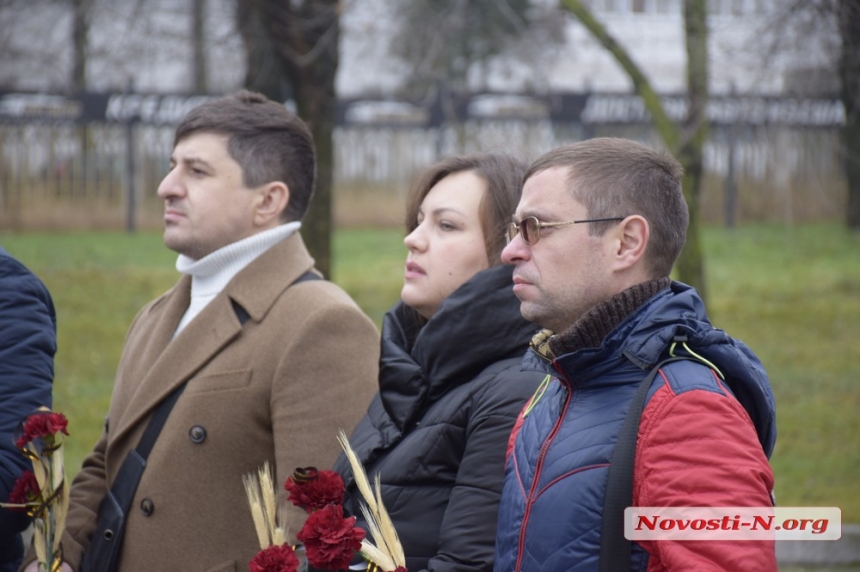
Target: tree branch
<point>664,125</point>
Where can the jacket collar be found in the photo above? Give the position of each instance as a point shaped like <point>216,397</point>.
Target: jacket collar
<point>643,338</point>
<point>476,326</point>
<point>590,330</point>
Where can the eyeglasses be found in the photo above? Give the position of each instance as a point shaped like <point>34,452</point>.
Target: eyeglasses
<point>530,227</point>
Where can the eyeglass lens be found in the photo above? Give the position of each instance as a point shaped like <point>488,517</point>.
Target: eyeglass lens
<point>529,227</point>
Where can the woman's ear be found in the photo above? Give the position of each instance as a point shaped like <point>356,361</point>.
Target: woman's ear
<point>272,201</point>
<point>632,240</point>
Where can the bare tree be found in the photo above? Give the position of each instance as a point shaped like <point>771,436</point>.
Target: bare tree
<point>825,36</point>
<point>80,49</point>
<point>293,52</point>
<point>264,70</point>
<point>31,64</point>
<point>310,51</point>
<point>685,141</point>
<point>443,40</point>
<point>163,45</point>
<point>80,41</point>
<point>448,47</point>
<point>849,73</point>
<point>694,133</point>
<point>198,35</point>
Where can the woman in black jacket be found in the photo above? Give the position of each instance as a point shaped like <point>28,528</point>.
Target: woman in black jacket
<point>450,385</point>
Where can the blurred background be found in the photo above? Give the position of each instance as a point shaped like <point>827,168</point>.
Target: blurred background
<point>759,99</point>
<point>90,91</point>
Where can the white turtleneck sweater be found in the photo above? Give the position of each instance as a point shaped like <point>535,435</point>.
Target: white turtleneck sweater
<point>210,274</point>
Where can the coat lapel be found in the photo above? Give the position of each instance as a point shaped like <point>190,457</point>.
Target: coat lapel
<point>167,362</point>
<point>258,286</point>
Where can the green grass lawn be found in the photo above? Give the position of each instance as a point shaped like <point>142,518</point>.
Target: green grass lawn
<point>792,294</point>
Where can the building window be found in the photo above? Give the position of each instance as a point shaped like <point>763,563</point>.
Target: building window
<point>734,7</point>
<point>668,6</point>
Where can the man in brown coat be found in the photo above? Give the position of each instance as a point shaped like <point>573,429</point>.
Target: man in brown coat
<point>273,369</point>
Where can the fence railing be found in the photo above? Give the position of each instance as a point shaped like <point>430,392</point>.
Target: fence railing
<point>96,160</point>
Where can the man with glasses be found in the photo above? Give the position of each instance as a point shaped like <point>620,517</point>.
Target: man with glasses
<point>593,240</point>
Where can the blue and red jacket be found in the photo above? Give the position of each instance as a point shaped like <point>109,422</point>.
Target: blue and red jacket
<point>702,441</point>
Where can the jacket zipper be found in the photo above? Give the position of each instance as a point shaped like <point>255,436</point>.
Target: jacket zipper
<point>538,469</point>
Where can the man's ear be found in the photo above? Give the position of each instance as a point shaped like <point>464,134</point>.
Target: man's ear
<point>272,201</point>
<point>632,240</point>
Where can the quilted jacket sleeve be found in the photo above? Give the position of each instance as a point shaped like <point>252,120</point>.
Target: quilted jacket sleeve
<point>700,448</point>
<point>28,342</point>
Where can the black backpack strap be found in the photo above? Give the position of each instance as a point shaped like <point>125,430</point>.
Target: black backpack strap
<point>242,313</point>
<point>159,418</point>
<point>309,275</point>
<point>614,548</point>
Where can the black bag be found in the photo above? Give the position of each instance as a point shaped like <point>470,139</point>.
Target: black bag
<point>615,549</point>
<point>103,553</point>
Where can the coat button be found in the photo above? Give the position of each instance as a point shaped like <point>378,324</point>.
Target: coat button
<point>197,434</point>
<point>147,507</point>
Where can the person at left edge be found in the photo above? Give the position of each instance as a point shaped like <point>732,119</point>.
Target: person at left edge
<point>276,389</point>
<point>28,342</point>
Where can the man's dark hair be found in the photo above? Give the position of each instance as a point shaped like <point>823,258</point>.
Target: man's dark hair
<point>616,177</point>
<point>269,142</point>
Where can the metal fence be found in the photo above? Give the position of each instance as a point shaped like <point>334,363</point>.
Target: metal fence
<point>777,160</point>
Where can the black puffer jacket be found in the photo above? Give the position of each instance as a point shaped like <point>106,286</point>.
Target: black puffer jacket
<point>437,431</point>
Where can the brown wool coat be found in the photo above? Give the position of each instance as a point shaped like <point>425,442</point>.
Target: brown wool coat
<point>277,389</point>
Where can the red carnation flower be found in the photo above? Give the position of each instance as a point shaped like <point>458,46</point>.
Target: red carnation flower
<point>26,490</point>
<point>330,540</point>
<point>312,490</point>
<point>275,559</point>
<point>41,425</point>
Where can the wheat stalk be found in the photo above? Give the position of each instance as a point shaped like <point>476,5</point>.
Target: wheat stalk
<point>388,552</point>
<point>41,541</point>
<point>59,482</point>
<point>358,472</point>
<point>267,487</point>
<point>373,528</point>
<point>279,533</point>
<point>377,556</point>
<point>268,511</point>
<point>386,526</point>
<point>252,491</point>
